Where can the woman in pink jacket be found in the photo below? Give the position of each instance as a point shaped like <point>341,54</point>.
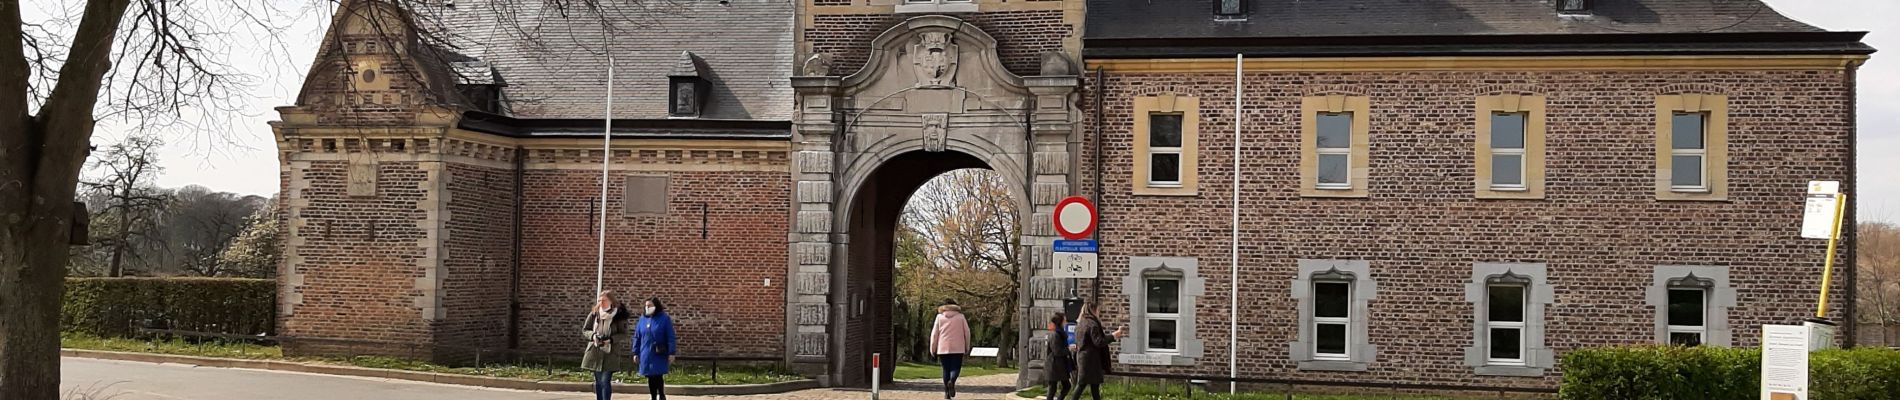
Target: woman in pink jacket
<point>949,341</point>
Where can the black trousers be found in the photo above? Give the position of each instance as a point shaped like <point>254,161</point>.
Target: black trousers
<point>656,387</point>
<point>1060,388</point>
<point>1095,390</point>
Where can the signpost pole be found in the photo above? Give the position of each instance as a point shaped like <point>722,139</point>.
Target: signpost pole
<point>1827,270</point>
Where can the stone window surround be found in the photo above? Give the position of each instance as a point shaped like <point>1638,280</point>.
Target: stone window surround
<point>1537,357</point>
<point>935,6</point>
<point>1360,351</point>
<point>1188,345</point>
<point>1715,143</point>
<point>1720,298</point>
<point>1361,165</point>
<point>1533,107</point>
<point>1189,108</point>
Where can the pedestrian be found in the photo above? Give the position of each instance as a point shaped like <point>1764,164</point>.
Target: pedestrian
<point>949,341</point>
<point>1057,361</point>
<point>655,344</point>
<point>605,328</point>
<point>1091,346</point>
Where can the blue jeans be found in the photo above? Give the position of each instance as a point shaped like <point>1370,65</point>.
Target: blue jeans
<point>603,385</point>
<point>952,368</point>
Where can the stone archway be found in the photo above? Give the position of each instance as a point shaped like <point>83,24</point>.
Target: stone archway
<point>932,96</point>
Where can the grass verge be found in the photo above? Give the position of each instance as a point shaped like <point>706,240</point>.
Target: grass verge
<point>682,374</point>
<point>917,370</point>
<point>1116,390</point>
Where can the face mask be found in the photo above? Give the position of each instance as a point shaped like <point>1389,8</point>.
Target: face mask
<point>649,310</point>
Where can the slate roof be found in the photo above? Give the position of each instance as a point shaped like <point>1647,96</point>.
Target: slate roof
<point>555,67</point>
<point>1284,25</point>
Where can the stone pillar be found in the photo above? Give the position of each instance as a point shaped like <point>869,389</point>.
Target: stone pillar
<point>809,312</point>
<point>1052,129</point>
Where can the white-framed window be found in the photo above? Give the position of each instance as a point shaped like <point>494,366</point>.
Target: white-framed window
<point>1507,151</point>
<point>1161,316</point>
<point>1691,305</point>
<point>1332,319</point>
<point>1688,315</point>
<point>1504,322</point>
<point>1688,151</point>
<point>1507,323</point>
<point>1164,149</point>
<point>1333,144</point>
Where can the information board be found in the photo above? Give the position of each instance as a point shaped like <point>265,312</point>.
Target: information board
<point>1784,362</point>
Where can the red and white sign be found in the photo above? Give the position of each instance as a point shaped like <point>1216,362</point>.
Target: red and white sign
<point>1075,217</point>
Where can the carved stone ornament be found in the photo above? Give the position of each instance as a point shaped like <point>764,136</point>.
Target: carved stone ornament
<point>936,131</point>
<point>818,65</point>
<point>935,56</point>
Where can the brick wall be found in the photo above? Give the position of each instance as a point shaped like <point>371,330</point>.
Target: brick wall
<point>359,257</point>
<point>480,248</point>
<point>1600,230</point>
<point>716,287</point>
<point>1021,36</point>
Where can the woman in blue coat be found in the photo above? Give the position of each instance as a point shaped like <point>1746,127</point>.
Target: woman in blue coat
<point>655,343</point>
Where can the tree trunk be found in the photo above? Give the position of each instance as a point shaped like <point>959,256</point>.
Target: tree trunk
<point>33,258</point>
<point>40,159</point>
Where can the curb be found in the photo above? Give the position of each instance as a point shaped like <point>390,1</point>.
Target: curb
<point>451,379</point>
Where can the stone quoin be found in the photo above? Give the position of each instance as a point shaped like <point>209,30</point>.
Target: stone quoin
<point>1446,193</point>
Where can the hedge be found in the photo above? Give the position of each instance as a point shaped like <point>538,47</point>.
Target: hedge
<point>1674,372</point>
<point>118,307</point>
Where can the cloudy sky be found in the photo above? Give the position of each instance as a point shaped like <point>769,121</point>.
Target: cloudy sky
<point>243,160</point>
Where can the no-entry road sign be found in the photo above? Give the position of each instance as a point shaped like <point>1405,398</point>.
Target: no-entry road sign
<point>1075,217</point>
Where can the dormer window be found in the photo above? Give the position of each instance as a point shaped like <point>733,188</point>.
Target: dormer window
<point>686,88</point>
<point>1229,9</point>
<point>479,85</point>
<point>1573,7</point>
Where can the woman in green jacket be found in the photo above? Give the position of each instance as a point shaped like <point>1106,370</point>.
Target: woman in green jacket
<point>606,331</point>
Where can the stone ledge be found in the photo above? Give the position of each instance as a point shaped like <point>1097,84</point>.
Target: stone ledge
<point>451,379</point>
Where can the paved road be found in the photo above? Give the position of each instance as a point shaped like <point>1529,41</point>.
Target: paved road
<point>128,380</point>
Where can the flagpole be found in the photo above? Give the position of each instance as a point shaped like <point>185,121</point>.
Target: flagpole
<point>606,155</point>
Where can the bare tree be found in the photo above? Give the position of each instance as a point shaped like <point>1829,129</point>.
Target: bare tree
<point>153,64</point>
<point>967,223</point>
<point>1877,267</point>
<point>199,224</point>
<point>127,172</point>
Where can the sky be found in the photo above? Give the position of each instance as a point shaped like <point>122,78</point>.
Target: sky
<point>237,153</point>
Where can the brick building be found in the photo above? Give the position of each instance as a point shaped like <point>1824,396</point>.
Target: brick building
<point>1444,193</point>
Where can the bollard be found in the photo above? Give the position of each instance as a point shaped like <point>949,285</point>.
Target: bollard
<point>876,375</point>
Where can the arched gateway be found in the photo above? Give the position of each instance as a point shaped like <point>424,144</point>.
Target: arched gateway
<point>933,97</point>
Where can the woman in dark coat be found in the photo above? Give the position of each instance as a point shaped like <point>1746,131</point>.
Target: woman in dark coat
<point>655,343</point>
<point>605,329</point>
<point>1057,363</point>
<point>1092,352</point>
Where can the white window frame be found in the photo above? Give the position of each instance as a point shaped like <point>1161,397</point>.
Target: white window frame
<point>1321,152</point>
<point>1524,292</point>
<point>1149,316</point>
<point>1523,141</point>
<point>1179,158</point>
<point>1701,331</point>
<point>1345,322</point>
<point>1701,155</point>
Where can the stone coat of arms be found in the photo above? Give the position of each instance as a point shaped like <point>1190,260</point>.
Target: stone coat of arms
<point>935,57</point>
